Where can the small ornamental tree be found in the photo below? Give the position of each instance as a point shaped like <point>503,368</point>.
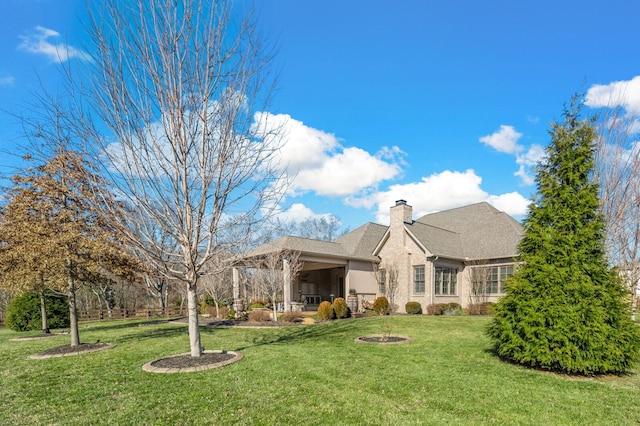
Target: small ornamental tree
<point>564,308</point>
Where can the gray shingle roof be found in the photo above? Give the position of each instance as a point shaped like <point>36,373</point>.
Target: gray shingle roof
<point>357,244</point>
<point>361,242</point>
<point>478,231</point>
<point>484,232</point>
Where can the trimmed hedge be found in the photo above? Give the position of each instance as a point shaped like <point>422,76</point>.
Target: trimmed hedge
<point>413,308</point>
<point>340,308</point>
<point>485,308</point>
<point>325,310</point>
<point>381,305</point>
<point>444,309</point>
<point>291,317</point>
<point>259,315</point>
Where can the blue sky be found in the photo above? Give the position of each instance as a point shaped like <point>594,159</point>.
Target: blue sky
<point>439,103</point>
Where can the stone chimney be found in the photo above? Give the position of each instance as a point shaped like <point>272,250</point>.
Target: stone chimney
<point>401,213</point>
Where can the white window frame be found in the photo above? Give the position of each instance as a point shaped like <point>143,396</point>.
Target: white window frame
<point>422,282</point>
<point>442,287</point>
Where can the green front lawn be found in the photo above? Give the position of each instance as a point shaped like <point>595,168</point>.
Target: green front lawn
<point>302,375</point>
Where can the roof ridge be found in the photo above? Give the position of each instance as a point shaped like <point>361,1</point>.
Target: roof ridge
<point>433,226</point>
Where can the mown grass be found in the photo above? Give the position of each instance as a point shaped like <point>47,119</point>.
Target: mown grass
<point>313,375</point>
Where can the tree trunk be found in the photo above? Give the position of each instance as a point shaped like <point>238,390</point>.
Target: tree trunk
<point>43,313</point>
<point>73,318</point>
<point>215,302</point>
<point>275,306</point>
<point>194,330</point>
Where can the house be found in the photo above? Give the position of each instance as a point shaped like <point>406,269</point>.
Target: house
<point>462,255</point>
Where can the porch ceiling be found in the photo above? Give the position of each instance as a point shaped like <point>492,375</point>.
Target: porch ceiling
<point>316,265</point>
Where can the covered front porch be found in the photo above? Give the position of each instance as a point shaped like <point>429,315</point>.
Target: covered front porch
<point>311,271</point>
<point>316,282</point>
<point>313,281</point>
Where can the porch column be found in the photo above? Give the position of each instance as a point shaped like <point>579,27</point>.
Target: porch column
<point>286,291</point>
<point>347,279</point>
<point>237,301</point>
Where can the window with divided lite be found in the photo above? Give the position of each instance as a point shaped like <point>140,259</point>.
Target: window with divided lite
<point>418,279</point>
<point>382,280</point>
<point>490,279</point>
<point>446,281</point>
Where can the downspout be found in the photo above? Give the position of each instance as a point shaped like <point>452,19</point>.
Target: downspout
<point>433,277</point>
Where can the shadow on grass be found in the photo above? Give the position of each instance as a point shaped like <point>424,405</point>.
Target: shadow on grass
<point>153,333</point>
<point>117,324</point>
<point>261,336</point>
<point>291,335</point>
<point>556,372</point>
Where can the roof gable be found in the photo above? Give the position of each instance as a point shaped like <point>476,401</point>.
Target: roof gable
<point>484,232</point>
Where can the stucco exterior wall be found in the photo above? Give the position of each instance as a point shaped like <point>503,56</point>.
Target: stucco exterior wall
<point>360,276</point>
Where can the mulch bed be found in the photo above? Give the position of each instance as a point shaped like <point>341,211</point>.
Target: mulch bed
<point>383,339</point>
<point>68,350</point>
<point>186,361</point>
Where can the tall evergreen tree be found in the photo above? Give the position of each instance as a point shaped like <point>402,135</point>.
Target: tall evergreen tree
<point>565,308</point>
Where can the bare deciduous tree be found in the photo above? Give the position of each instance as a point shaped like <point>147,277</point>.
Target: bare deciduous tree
<point>479,274</point>
<point>388,273</point>
<point>217,281</point>
<point>325,228</point>
<point>618,174</point>
<point>176,86</point>
<point>269,276</point>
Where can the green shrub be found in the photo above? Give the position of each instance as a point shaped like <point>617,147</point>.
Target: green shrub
<point>232,314</point>
<point>413,308</point>
<point>381,305</point>
<point>452,309</point>
<point>259,315</point>
<point>485,308</point>
<point>23,312</point>
<point>340,308</point>
<point>258,305</point>
<point>435,309</point>
<point>325,311</point>
<point>291,317</point>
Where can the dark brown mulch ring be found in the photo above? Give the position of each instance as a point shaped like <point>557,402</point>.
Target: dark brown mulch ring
<point>68,350</point>
<point>186,361</point>
<point>383,339</point>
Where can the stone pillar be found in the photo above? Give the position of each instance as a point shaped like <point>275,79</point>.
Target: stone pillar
<point>286,291</point>
<point>237,301</point>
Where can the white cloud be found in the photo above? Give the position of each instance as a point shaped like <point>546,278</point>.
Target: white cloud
<point>440,191</point>
<point>533,156</point>
<point>297,212</point>
<point>6,81</point>
<point>39,42</point>
<point>512,203</point>
<point>625,94</point>
<point>316,161</point>
<point>504,140</point>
